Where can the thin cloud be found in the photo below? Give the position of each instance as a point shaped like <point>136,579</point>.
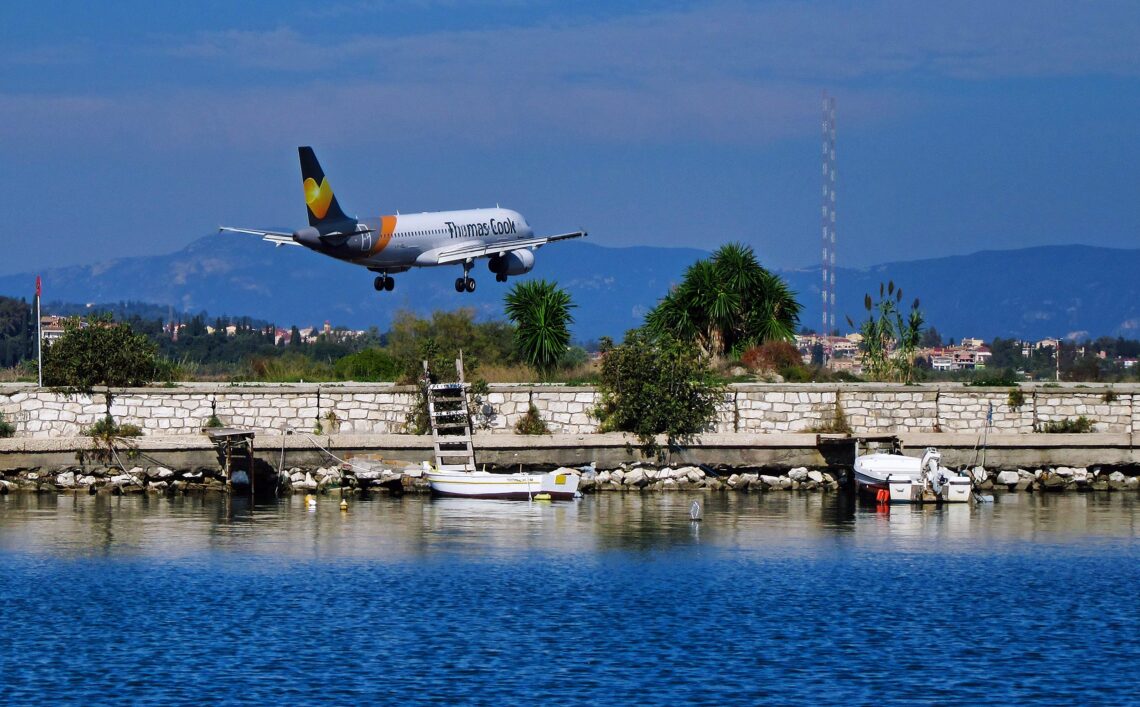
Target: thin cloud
<point>788,41</point>
<point>726,73</point>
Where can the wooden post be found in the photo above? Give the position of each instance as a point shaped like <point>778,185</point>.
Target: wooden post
<point>251,468</point>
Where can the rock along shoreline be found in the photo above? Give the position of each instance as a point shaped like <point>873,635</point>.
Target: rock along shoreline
<point>358,477</point>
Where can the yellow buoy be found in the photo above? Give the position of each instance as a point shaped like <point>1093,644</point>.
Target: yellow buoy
<point>343,505</point>
<point>542,497</point>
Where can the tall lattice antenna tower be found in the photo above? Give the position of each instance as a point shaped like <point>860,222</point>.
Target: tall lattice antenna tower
<point>827,215</point>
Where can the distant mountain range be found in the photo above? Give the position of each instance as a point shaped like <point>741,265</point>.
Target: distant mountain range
<point>1030,293</point>
<point>1048,291</point>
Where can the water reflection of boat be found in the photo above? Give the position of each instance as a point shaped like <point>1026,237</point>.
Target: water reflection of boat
<point>558,485</point>
<point>924,527</point>
<point>898,478</point>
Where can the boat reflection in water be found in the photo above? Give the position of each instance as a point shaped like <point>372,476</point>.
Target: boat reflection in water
<point>387,528</point>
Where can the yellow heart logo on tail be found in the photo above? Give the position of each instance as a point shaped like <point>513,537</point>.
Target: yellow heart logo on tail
<point>318,198</point>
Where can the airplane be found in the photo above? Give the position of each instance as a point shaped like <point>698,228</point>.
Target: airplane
<point>396,244</point>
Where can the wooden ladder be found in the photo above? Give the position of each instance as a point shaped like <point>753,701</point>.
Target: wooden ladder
<point>450,426</point>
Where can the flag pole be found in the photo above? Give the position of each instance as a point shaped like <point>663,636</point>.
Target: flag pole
<point>39,336</point>
<point>986,432</point>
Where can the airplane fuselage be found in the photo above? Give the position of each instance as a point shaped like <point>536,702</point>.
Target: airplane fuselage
<point>395,244</point>
<point>402,241</point>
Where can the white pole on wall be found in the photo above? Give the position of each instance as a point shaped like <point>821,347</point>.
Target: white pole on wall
<point>39,336</point>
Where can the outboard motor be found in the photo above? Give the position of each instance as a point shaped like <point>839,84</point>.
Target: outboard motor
<point>929,464</point>
<point>931,459</point>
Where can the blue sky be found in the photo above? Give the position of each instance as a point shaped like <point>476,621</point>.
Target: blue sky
<point>136,127</point>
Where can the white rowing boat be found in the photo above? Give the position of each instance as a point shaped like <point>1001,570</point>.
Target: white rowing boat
<point>561,484</point>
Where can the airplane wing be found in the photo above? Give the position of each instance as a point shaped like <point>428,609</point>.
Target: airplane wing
<point>275,237</point>
<point>479,249</point>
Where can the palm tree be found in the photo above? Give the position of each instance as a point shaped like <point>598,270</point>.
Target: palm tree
<point>540,312</point>
<point>726,304</point>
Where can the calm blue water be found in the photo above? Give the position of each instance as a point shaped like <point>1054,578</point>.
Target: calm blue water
<point>610,600</point>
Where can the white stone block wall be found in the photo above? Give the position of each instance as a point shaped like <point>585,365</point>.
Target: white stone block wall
<point>501,410</point>
<point>361,412</point>
<point>887,410</point>
<point>774,409</point>
<point>747,408</point>
<point>564,410</point>
<point>1109,415</point>
<point>964,410</point>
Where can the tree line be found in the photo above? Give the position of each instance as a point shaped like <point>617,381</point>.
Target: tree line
<point>17,332</point>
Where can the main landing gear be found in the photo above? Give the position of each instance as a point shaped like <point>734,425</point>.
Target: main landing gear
<point>466,283</point>
<point>383,283</point>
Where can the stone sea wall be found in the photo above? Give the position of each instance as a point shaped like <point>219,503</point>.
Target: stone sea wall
<point>746,408</point>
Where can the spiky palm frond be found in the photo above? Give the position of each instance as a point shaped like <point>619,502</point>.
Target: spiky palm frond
<point>737,267</point>
<point>541,314</point>
<point>726,303</point>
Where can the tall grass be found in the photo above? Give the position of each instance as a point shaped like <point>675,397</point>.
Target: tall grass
<point>289,368</point>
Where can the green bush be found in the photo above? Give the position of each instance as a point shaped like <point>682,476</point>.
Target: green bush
<point>104,436</point>
<point>368,365</point>
<point>291,367</point>
<point>531,423</point>
<point>1015,399</point>
<point>7,429</point>
<point>995,378</point>
<point>798,374</point>
<point>107,428</point>
<point>652,386</point>
<point>101,352</point>
<point>837,424</point>
<point>1069,425</point>
<point>480,389</point>
<point>771,356</point>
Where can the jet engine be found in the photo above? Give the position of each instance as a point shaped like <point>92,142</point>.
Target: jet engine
<point>309,237</point>
<point>516,262</point>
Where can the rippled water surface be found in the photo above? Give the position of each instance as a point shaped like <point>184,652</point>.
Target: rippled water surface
<point>613,599</point>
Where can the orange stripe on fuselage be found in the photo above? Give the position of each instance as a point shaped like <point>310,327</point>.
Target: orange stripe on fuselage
<point>387,228</point>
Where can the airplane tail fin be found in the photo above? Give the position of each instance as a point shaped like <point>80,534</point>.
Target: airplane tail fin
<point>323,209</point>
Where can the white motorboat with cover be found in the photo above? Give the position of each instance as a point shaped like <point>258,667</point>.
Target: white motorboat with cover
<point>558,485</point>
<point>898,478</point>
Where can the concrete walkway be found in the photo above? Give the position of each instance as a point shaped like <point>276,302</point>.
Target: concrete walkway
<point>1006,451</point>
